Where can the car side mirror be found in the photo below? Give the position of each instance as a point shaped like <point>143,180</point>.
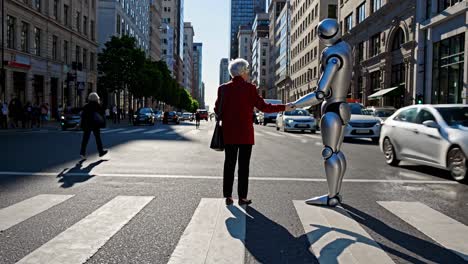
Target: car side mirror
<point>431,124</point>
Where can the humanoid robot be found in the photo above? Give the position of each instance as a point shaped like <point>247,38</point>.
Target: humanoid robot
<point>332,90</point>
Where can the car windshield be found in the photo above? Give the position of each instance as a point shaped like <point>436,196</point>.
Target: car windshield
<point>384,112</point>
<point>145,111</point>
<point>297,113</point>
<point>172,113</point>
<point>357,109</point>
<point>454,116</point>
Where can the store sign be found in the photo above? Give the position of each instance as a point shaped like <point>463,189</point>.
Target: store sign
<point>20,62</point>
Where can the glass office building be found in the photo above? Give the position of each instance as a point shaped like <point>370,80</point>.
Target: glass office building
<point>243,13</point>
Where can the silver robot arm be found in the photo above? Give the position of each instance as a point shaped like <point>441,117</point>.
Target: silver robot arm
<point>323,90</point>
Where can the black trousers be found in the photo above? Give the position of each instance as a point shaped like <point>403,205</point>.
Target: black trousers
<point>234,153</point>
<point>86,135</point>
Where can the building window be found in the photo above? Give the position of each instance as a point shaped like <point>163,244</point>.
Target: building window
<point>85,58</point>
<point>375,45</point>
<point>361,13</point>
<point>92,61</point>
<point>398,74</point>
<point>118,25</point>
<point>348,23</point>
<point>55,14</point>
<point>77,54</point>
<point>93,30</point>
<point>37,5</point>
<point>78,21</point>
<point>65,51</point>
<point>37,41</point>
<point>360,87</point>
<point>332,10</point>
<point>85,25</point>
<point>66,15</point>
<point>360,51</point>
<point>376,5</point>
<point>444,4</point>
<point>24,37</point>
<point>11,33</point>
<point>54,47</point>
<point>398,39</point>
<point>448,70</point>
<point>374,81</point>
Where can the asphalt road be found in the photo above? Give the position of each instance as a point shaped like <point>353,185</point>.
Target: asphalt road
<point>180,178</point>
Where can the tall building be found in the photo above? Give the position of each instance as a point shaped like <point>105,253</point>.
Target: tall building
<point>202,96</point>
<point>260,54</point>
<point>305,45</point>
<point>197,70</point>
<point>167,46</point>
<point>244,38</point>
<point>274,10</point>
<point>50,52</point>
<point>118,18</point>
<point>173,15</point>
<point>441,68</point>
<point>382,34</point>
<point>282,58</point>
<point>188,58</point>
<point>155,50</point>
<point>242,13</point>
<point>224,76</point>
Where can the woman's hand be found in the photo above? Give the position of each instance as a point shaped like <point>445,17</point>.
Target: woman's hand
<point>290,107</point>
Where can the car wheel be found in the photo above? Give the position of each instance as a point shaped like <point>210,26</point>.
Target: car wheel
<point>313,131</point>
<point>277,128</point>
<point>264,123</point>
<point>284,129</point>
<point>457,164</point>
<point>389,152</point>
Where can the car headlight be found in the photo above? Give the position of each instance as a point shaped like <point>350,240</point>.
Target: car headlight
<point>289,121</point>
<point>378,124</point>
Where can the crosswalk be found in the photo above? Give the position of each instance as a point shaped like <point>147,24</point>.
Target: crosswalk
<point>217,233</point>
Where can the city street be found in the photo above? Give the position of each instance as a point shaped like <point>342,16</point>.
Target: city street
<point>157,198</point>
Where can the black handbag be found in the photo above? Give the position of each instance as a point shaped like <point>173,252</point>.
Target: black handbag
<point>217,141</point>
<point>99,120</point>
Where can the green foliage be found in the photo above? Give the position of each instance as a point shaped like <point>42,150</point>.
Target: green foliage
<point>122,65</point>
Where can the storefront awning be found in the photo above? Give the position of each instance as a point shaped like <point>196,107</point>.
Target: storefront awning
<point>382,92</point>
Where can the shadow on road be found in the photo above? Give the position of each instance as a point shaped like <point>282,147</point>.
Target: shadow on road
<point>436,172</point>
<point>267,241</point>
<point>68,179</point>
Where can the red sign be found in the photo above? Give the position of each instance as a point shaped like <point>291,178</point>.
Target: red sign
<point>15,64</point>
<point>352,100</point>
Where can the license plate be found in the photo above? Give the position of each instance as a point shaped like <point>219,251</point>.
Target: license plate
<point>363,131</point>
<point>301,125</point>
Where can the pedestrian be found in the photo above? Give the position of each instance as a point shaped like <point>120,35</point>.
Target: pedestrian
<point>4,115</point>
<point>107,113</point>
<point>92,120</point>
<point>114,114</point>
<point>28,111</point>
<point>44,112</point>
<point>197,119</point>
<point>239,97</point>
<point>130,115</point>
<point>59,112</point>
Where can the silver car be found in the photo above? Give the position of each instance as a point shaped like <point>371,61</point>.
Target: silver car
<point>362,124</point>
<point>296,120</point>
<point>434,135</point>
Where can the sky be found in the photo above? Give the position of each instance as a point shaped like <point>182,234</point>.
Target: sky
<point>210,21</point>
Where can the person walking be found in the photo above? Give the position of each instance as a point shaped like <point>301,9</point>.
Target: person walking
<point>92,120</point>
<point>114,114</point>
<point>130,115</point>
<point>4,115</point>
<point>239,97</point>
<point>197,119</point>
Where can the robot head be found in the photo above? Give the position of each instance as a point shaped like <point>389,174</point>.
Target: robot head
<point>329,31</point>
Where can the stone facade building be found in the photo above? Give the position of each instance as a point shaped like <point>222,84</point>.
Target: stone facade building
<point>224,76</point>
<point>155,50</point>
<point>382,34</point>
<point>274,10</point>
<point>188,58</point>
<point>244,38</point>
<point>50,51</point>
<point>260,54</point>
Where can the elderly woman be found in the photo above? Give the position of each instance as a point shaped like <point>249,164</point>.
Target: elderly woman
<point>239,97</point>
<point>92,119</point>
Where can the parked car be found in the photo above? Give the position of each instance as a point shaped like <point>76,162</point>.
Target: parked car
<point>434,135</point>
<point>158,115</point>
<point>382,112</point>
<point>186,117</point>
<point>144,116</point>
<point>171,117</point>
<point>203,114</point>
<point>296,120</point>
<point>270,117</point>
<point>362,124</point>
<point>71,119</point>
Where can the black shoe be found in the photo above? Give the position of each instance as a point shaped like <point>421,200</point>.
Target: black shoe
<point>103,153</point>
<point>244,202</point>
<point>229,201</point>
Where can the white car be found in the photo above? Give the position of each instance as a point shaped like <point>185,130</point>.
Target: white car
<point>434,135</point>
<point>362,124</point>
<point>296,120</point>
<point>186,117</point>
<point>382,112</point>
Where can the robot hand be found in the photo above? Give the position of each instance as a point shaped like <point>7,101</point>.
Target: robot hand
<point>290,107</point>
<point>311,99</point>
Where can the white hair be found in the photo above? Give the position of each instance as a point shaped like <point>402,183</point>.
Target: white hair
<point>93,97</point>
<point>238,67</point>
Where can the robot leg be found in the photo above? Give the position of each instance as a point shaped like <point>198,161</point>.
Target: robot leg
<point>332,130</point>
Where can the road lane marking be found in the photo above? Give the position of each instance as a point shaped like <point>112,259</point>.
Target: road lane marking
<point>273,134</point>
<point>82,240</point>
<point>154,131</point>
<point>26,209</point>
<point>174,132</point>
<point>446,231</point>
<point>112,130</point>
<point>258,134</point>
<point>208,239</point>
<point>208,177</point>
<point>133,131</point>
<point>292,135</point>
<point>335,237</point>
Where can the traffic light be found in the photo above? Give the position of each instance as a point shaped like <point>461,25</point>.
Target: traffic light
<point>420,99</point>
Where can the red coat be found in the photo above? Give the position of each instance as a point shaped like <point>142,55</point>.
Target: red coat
<point>240,98</point>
